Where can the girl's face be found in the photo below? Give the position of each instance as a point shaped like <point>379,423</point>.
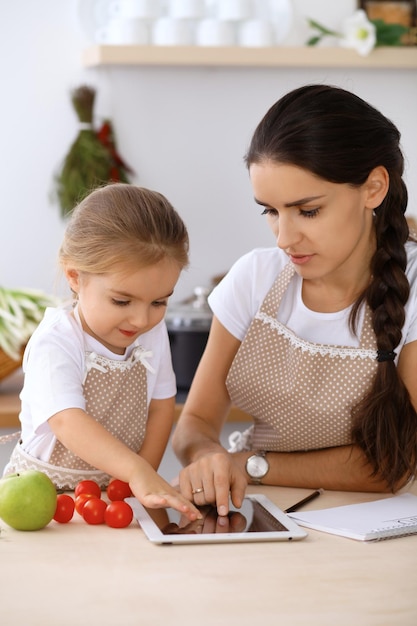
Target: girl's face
<point>326,229</point>
<point>116,307</point>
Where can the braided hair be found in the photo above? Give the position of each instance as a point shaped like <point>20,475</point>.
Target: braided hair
<point>341,138</point>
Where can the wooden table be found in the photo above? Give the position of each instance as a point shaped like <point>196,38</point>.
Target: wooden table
<point>77,574</point>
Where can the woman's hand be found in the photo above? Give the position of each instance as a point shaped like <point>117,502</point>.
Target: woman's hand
<point>212,479</point>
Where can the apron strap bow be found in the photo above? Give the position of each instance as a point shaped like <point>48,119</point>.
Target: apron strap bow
<point>140,354</point>
<point>91,363</point>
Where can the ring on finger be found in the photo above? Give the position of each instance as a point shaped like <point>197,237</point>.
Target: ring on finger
<point>199,490</point>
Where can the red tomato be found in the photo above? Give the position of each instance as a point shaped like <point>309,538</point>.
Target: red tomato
<point>88,486</point>
<point>64,508</point>
<point>118,490</point>
<point>82,499</point>
<point>118,514</point>
<point>93,511</point>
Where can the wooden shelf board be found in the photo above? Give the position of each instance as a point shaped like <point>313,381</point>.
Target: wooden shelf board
<point>380,58</point>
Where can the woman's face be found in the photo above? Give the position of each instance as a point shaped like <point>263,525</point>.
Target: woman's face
<point>326,229</point>
<point>117,307</point>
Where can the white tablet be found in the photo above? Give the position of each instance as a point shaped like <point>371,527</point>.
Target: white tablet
<point>258,519</point>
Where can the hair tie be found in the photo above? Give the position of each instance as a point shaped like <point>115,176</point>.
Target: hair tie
<point>384,355</point>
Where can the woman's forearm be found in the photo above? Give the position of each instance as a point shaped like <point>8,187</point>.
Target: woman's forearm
<point>193,438</point>
<point>343,468</point>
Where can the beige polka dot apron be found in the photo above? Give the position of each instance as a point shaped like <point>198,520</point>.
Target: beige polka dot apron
<point>116,396</point>
<point>300,394</point>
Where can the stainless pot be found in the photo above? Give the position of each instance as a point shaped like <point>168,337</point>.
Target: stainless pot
<point>188,326</point>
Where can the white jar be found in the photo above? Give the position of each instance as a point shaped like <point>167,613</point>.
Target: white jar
<point>256,34</point>
<point>144,9</point>
<point>282,16</point>
<point>212,32</point>
<point>186,9</point>
<point>234,10</point>
<point>167,31</point>
<point>124,31</point>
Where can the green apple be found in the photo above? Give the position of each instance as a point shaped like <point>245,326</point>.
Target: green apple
<point>27,500</point>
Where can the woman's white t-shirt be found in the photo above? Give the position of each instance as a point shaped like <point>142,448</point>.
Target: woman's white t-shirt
<point>236,300</point>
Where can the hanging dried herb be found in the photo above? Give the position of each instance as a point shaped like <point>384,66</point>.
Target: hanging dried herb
<point>92,159</point>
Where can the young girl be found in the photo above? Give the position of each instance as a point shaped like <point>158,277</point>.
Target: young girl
<point>317,338</point>
<point>99,390</point>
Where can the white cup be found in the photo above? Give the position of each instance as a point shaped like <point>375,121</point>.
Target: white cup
<point>234,10</point>
<point>282,15</point>
<point>256,34</point>
<point>212,32</point>
<point>186,9</point>
<point>145,9</point>
<point>124,31</point>
<point>167,31</point>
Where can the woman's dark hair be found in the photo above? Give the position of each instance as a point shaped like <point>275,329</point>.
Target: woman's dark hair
<point>341,138</point>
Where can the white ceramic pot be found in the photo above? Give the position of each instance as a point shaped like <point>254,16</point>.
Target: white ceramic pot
<point>167,31</point>
<point>186,9</point>
<point>124,31</point>
<point>234,10</point>
<point>212,32</point>
<point>256,34</point>
<point>144,9</point>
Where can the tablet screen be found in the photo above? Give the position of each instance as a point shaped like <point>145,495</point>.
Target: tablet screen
<point>257,520</point>
<point>251,517</point>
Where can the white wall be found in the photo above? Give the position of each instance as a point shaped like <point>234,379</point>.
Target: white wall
<point>184,131</point>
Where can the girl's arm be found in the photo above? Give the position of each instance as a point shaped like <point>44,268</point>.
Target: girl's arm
<point>89,440</point>
<point>196,442</point>
<point>158,430</point>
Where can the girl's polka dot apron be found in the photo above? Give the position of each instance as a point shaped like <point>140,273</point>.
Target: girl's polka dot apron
<point>300,394</point>
<point>116,396</point>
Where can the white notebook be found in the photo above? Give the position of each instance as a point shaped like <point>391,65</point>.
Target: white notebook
<point>394,516</point>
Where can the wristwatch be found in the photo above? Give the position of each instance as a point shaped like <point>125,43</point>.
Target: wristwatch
<point>257,467</point>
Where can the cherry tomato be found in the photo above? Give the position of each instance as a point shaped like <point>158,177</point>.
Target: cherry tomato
<point>64,508</point>
<point>118,514</point>
<point>118,490</point>
<point>88,486</point>
<point>93,511</point>
<point>82,499</point>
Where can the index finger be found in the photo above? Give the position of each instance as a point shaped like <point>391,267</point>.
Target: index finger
<point>234,487</point>
<point>222,487</point>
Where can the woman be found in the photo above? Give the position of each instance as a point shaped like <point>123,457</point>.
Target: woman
<point>315,339</point>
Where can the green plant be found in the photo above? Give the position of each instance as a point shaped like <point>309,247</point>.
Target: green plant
<point>21,310</point>
<point>92,159</point>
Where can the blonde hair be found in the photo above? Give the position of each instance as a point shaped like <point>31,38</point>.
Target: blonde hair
<point>121,224</point>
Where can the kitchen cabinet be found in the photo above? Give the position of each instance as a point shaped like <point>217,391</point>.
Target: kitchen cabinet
<point>302,57</point>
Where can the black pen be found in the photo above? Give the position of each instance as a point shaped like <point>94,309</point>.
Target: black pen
<point>304,501</point>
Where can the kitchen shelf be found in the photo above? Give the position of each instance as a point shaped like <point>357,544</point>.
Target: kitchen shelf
<point>380,58</point>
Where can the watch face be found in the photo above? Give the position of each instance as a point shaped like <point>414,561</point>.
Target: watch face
<point>257,466</point>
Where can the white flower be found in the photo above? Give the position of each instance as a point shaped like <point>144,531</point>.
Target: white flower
<point>358,33</point>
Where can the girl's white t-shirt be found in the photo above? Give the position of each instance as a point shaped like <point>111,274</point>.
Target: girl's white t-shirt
<point>236,300</point>
<point>54,368</point>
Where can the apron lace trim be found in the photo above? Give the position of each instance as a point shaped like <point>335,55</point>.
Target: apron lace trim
<point>62,477</point>
<point>311,348</point>
<point>103,364</point>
